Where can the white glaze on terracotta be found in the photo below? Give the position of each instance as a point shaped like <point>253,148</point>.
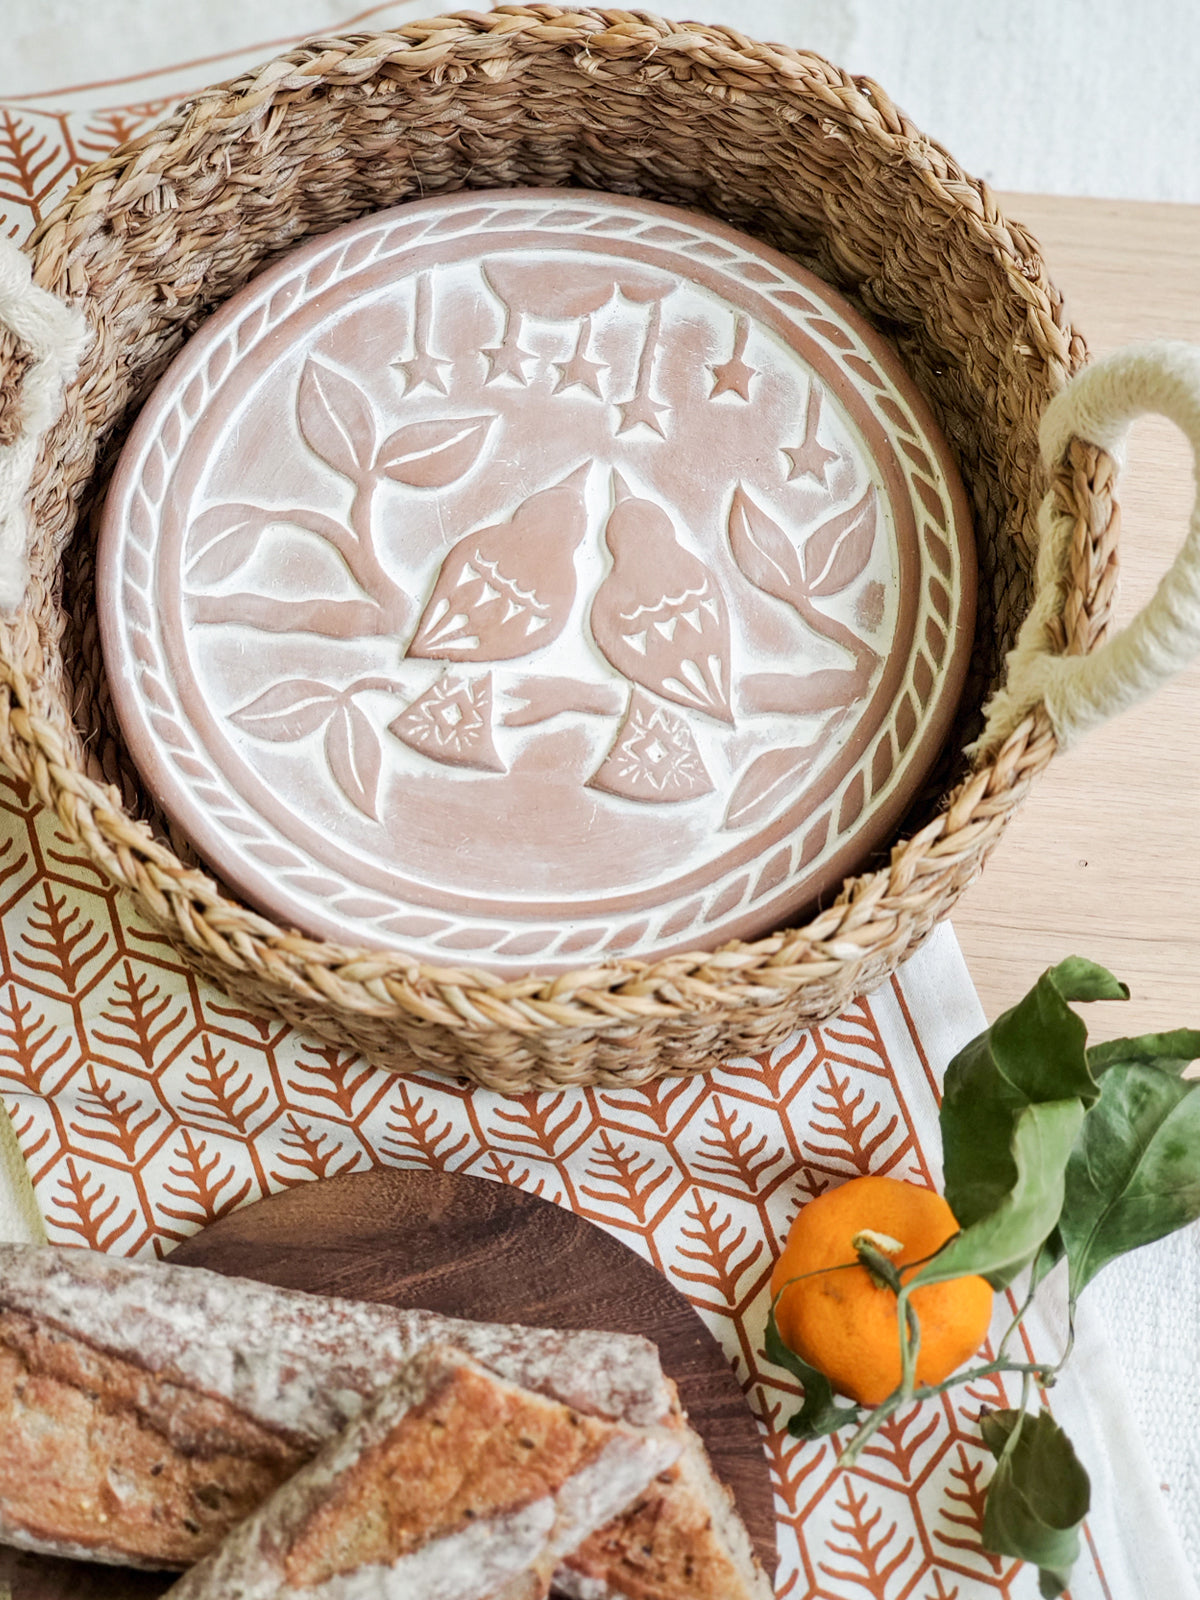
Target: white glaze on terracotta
<point>485,443</point>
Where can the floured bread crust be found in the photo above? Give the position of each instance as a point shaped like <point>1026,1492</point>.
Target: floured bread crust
<point>97,1448</point>
<point>301,1362</point>
<point>452,1484</point>
<point>156,1405</point>
<point>680,1540</point>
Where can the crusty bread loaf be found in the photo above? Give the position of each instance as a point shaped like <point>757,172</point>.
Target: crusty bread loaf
<point>105,1460</point>
<point>147,1408</point>
<point>302,1362</point>
<point>451,1485</point>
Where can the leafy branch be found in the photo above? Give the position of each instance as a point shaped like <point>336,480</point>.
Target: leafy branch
<point>1051,1150</point>
<point>337,422</point>
<point>833,557</point>
<point>288,711</point>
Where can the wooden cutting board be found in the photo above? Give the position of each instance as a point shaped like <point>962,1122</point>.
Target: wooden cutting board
<point>466,1247</point>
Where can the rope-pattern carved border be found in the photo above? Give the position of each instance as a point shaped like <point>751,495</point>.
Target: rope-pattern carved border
<point>272,857</point>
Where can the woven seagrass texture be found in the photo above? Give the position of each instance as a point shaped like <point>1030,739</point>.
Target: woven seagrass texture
<point>775,142</point>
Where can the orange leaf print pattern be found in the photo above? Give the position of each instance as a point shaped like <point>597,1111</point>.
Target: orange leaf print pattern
<point>205,1183</point>
<point>86,1207</point>
<point>870,1549</point>
<point>148,1104</point>
<point>31,1048</point>
<point>113,1115</point>
<point>309,1152</point>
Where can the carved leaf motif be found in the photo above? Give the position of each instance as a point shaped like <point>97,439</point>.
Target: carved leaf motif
<point>287,710</point>
<point>764,783</point>
<point>839,550</point>
<point>763,551</point>
<point>222,539</point>
<point>336,419</point>
<point>430,455</point>
<point>352,750</point>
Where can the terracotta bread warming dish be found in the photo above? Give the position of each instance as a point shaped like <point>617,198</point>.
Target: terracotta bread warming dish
<point>775,143</point>
<point>531,577</point>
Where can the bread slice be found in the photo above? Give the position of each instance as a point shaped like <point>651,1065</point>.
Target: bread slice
<point>104,1460</point>
<point>451,1485</point>
<point>681,1540</point>
<point>148,1408</point>
<point>303,1363</point>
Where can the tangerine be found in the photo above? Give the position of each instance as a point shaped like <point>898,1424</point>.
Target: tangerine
<point>844,1322</point>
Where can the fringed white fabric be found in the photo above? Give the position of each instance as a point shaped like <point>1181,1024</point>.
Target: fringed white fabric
<point>55,334</point>
<point>1098,406</point>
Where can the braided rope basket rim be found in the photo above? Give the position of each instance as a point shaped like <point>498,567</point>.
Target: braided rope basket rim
<point>470,98</point>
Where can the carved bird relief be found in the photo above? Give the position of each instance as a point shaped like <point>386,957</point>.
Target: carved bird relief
<point>659,616</point>
<point>509,588</point>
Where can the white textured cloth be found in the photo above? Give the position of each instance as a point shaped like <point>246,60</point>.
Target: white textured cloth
<point>1150,1304</point>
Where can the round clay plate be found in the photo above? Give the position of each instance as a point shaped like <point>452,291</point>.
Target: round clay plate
<point>471,1248</point>
<point>532,576</point>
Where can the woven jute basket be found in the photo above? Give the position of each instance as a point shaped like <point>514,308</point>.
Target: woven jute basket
<point>777,143</point>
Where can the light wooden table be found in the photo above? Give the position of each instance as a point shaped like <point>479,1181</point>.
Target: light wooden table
<point>1103,858</point>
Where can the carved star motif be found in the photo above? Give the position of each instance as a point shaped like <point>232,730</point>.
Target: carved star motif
<point>732,377</point>
<point>508,361</point>
<point>643,409</point>
<point>423,368</point>
<point>580,370</point>
<point>810,457</point>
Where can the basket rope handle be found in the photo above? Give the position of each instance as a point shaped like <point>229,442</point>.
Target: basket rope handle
<point>55,335</point>
<point>1098,406</point>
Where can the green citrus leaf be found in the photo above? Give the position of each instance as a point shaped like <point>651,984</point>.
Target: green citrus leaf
<point>1033,1058</point>
<point>1077,978</point>
<point>819,1414</point>
<point>1051,1253</point>
<point>1169,1052</point>
<point>1135,1174</point>
<point>1038,1496</point>
<point>1008,1237</point>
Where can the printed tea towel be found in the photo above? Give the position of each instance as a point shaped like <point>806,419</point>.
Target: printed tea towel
<point>145,1104</point>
